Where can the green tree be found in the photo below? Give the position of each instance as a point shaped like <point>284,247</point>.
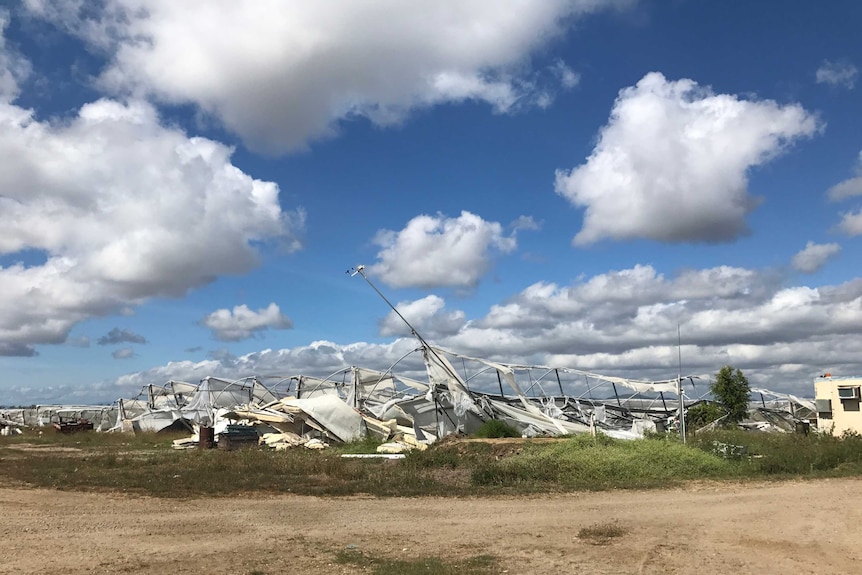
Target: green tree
<point>731,390</point>
<point>702,414</point>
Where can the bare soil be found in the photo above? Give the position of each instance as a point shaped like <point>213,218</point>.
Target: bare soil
<point>783,527</point>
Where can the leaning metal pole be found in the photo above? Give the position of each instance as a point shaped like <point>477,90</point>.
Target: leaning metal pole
<point>361,271</point>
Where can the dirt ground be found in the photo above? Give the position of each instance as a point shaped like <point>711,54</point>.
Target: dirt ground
<point>787,528</point>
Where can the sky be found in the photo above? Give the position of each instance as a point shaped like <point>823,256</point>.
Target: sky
<point>626,187</point>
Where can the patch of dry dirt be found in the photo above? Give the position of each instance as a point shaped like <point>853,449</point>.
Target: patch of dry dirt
<point>763,528</point>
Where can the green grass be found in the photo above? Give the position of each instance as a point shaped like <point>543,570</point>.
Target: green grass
<point>777,454</point>
<point>364,445</point>
<point>495,428</point>
<point>145,464</point>
<point>584,462</point>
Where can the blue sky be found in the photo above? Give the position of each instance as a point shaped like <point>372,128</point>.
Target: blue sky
<point>184,185</point>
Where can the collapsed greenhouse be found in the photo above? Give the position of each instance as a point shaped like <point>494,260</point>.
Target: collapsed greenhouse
<point>410,405</point>
<point>411,408</point>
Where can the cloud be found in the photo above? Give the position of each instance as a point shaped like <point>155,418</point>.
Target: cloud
<point>436,251</point>
<point>108,231</point>
<point>620,323</point>
<point>848,188</point>
<point>851,223</point>
<point>814,256</point>
<point>841,74</point>
<point>15,349</point>
<point>626,322</point>
<point>243,323</point>
<point>223,356</point>
<point>671,164</point>
<point>118,335</point>
<point>315,65</point>
<point>426,315</point>
<point>13,67</point>
<point>123,353</point>
<point>319,358</point>
<point>527,223</point>
<point>568,77</point>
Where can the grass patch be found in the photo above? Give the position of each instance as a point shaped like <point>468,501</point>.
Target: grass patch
<point>601,533</point>
<point>378,565</point>
<point>364,445</point>
<point>146,464</point>
<point>584,462</point>
<point>790,454</point>
<point>494,428</point>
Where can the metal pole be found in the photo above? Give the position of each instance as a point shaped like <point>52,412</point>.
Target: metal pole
<point>616,394</point>
<point>361,271</point>
<point>560,383</point>
<point>679,385</point>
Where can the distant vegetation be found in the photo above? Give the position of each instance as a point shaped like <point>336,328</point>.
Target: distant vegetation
<point>730,389</point>
<point>146,464</point>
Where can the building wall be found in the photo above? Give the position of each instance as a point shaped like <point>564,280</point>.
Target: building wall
<point>845,414</point>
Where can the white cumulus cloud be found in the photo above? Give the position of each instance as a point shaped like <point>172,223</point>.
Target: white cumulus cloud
<point>437,251</point>
<point>426,315</point>
<point>671,164</point>
<point>109,208</point>
<point>851,221</point>
<point>848,188</point>
<point>814,256</point>
<point>243,323</point>
<point>281,74</point>
<point>620,323</point>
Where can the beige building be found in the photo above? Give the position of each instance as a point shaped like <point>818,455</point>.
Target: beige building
<point>837,400</point>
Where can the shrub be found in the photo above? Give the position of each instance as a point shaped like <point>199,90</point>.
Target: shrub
<point>496,428</point>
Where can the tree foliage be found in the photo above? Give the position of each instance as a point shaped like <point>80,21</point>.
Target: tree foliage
<point>702,414</point>
<point>731,390</point>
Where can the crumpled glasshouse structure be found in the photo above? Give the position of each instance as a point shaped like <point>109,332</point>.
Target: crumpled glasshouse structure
<point>420,399</point>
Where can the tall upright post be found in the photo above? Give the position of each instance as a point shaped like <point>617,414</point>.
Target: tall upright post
<point>679,385</point>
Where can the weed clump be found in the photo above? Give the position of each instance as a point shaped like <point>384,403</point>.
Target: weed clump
<point>601,533</point>
<point>379,565</point>
<point>494,428</point>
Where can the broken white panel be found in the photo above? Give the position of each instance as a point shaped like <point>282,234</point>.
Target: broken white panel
<point>373,455</point>
<point>536,418</point>
<point>308,387</point>
<point>641,426</point>
<point>441,373</point>
<point>380,429</point>
<point>338,418</point>
<point>156,420</point>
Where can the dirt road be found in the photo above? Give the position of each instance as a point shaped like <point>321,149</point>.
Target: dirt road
<point>787,528</point>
